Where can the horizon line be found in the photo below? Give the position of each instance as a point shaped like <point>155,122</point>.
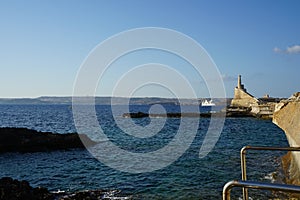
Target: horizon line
<point>8,98</point>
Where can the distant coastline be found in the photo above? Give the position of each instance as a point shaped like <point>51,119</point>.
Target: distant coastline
<point>108,100</point>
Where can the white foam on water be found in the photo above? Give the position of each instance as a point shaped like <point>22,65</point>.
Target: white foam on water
<point>271,176</point>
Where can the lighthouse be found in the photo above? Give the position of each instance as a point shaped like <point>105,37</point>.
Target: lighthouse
<point>240,85</point>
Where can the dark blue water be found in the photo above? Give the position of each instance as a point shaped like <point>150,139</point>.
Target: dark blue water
<point>188,178</point>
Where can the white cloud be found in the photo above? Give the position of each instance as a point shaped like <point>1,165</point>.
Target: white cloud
<point>295,49</point>
<point>277,50</point>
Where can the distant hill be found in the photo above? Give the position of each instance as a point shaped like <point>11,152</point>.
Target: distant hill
<point>108,100</point>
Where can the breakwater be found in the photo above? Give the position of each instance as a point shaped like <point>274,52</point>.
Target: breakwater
<point>228,113</point>
<point>170,115</point>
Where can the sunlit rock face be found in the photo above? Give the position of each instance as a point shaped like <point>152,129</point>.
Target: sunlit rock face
<point>287,117</point>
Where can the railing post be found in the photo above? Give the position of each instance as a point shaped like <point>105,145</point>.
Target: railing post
<point>245,184</point>
<point>244,171</point>
<point>227,189</point>
<point>257,185</point>
<point>243,161</point>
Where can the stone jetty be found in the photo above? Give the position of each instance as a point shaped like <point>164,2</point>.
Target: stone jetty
<point>171,115</point>
<point>236,113</point>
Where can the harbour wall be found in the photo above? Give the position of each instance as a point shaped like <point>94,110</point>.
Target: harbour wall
<point>287,117</point>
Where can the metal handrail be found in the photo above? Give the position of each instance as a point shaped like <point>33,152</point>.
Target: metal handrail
<point>243,160</point>
<point>257,185</point>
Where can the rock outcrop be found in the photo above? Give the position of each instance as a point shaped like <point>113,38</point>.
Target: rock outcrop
<point>11,189</point>
<point>287,117</point>
<point>14,189</point>
<point>26,140</point>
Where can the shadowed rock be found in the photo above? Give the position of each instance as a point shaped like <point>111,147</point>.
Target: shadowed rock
<point>229,113</point>
<point>14,189</point>
<point>26,140</point>
<point>11,189</point>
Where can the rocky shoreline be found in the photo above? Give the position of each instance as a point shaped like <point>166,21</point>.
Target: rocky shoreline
<point>26,140</point>
<point>11,189</point>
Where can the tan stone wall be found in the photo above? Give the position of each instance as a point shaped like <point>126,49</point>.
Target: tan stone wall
<point>287,117</point>
<point>242,99</point>
<point>265,110</point>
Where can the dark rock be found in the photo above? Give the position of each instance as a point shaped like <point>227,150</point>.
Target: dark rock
<point>11,189</point>
<point>135,115</point>
<point>174,115</point>
<point>26,140</point>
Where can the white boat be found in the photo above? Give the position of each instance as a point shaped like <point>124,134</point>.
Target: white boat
<point>207,103</point>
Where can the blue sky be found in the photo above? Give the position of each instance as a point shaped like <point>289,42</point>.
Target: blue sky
<point>43,43</point>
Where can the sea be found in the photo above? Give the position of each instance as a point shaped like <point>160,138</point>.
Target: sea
<point>188,177</point>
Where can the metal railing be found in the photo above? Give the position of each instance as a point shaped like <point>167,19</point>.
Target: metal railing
<point>257,185</point>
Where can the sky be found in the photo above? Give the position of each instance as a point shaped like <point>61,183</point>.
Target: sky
<point>43,44</point>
